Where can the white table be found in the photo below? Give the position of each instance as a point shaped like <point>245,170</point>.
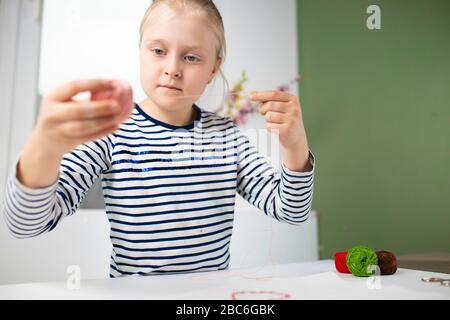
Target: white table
<point>306,280</point>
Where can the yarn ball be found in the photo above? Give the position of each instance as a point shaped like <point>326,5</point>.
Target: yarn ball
<point>340,261</point>
<point>358,260</point>
<point>120,91</point>
<point>387,262</point>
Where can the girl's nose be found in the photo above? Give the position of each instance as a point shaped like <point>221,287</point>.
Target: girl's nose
<point>173,74</point>
<point>172,69</point>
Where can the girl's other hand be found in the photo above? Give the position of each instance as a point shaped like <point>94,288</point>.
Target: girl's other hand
<point>64,123</point>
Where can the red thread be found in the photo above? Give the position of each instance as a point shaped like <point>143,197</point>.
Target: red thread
<point>340,262</point>
<point>255,294</point>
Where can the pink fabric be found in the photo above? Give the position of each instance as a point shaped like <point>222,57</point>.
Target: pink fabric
<point>121,91</point>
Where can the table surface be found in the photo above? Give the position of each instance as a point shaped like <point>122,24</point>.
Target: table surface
<point>305,280</point>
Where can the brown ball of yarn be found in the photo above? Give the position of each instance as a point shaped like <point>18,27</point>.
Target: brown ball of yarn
<point>387,262</point>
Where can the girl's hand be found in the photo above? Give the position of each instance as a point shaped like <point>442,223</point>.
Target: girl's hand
<point>283,116</point>
<point>64,123</point>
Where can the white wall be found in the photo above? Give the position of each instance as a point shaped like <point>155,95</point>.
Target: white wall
<point>19,61</point>
<point>261,37</point>
<point>82,240</point>
<point>19,55</point>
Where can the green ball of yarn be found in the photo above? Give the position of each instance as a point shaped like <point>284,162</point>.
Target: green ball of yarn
<point>358,260</point>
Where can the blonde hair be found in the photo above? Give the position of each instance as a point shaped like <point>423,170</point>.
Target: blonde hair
<point>203,8</point>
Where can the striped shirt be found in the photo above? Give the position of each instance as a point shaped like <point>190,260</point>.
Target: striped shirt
<point>169,192</point>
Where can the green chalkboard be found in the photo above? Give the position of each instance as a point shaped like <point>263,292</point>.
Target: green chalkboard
<point>376,106</point>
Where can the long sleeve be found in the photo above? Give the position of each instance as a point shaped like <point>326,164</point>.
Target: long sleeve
<point>285,196</point>
<point>30,212</point>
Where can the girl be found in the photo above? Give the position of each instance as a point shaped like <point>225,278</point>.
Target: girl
<point>170,170</point>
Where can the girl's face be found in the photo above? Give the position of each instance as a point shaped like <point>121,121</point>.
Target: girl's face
<point>176,50</point>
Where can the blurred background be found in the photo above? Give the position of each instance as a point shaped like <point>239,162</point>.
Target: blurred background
<point>377,113</point>
<point>375,100</point>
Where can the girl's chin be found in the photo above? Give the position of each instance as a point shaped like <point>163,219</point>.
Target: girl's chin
<point>171,104</point>
<point>169,98</point>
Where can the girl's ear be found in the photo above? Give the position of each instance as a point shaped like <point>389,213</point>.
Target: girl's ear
<point>218,64</point>
<point>216,69</point>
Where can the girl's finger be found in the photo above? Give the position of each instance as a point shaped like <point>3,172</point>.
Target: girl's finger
<point>274,95</point>
<point>85,110</point>
<point>275,117</point>
<point>273,127</point>
<point>273,106</point>
<point>101,134</point>
<point>86,128</point>
<point>70,89</point>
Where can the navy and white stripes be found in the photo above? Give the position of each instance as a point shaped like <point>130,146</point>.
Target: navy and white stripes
<point>169,192</point>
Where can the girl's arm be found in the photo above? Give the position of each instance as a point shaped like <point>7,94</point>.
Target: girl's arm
<point>37,167</point>
<point>286,195</point>
<point>48,183</point>
<point>30,212</point>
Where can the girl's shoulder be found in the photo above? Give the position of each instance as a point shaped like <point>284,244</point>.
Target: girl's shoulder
<point>212,118</point>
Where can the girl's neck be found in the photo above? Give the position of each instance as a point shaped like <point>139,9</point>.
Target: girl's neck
<point>179,118</point>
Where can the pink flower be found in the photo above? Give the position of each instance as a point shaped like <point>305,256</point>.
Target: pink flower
<point>283,87</point>
<point>238,106</point>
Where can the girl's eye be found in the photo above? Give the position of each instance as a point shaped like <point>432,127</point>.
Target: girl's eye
<point>189,58</point>
<point>157,51</point>
<point>194,59</point>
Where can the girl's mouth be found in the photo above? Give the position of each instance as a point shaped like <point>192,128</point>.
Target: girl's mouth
<point>169,87</point>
